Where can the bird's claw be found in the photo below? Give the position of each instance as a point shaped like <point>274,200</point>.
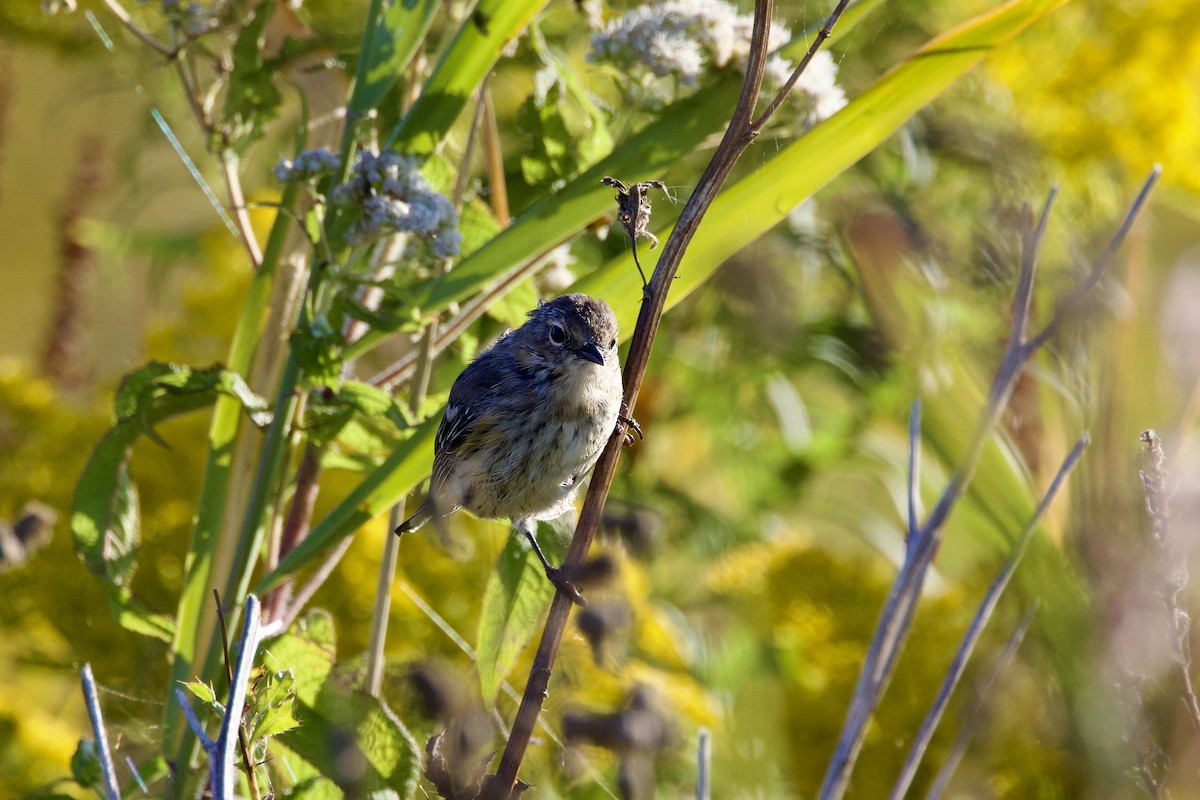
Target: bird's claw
<point>631,428</point>
<point>558,578</point>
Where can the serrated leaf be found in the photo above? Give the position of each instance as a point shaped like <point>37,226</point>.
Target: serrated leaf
<point>351,738</point>
<point>516,599</point>
<point>318,350</point>
<point>270,710</point>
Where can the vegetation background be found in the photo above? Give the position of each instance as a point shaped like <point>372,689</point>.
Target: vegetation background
<point>764,513</point>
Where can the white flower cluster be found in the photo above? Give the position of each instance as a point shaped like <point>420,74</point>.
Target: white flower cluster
<point>307,165</point>
<point>680,39</point>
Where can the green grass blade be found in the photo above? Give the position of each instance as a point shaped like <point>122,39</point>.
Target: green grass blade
<point>391,40</point>
<point>466,62</point>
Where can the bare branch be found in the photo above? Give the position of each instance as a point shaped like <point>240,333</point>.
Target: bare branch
<point>822,35</point>
<point>960,745</point>
<point>891,632</point>
<point>118,11</point>
<point>100,735</point>
<point>1072,302</point>
<point>914,469</point>
<point>982,616</point>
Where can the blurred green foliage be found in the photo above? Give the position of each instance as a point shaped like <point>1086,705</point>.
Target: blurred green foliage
<point>762,518</point>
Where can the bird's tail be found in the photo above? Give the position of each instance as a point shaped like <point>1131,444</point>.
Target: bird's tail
<point>417,518</point>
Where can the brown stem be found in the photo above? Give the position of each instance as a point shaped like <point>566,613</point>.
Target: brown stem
<point>296,525</point>
<point>237,202</point>
<point>494,158</point>
<point>61,355</point>
<point>822,35</point>
<point>738,136</point>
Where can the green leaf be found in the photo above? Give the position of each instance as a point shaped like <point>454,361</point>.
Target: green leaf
<point>317,347</point>
<point>252,99</point>
<point>204,693</point>
<point>105,518</point>
<point>371,415</point>
<point>515,601</point>
<point>85,766</point>
<point>513,308</point>
<point>468,59</point>
<point>315,788</point>
<point>353,739</point>
<point>271,708</point>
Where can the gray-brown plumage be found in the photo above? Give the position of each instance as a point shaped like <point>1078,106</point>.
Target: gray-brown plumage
<point>527,419</point>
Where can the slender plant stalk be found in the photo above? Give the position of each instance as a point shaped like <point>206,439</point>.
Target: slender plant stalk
<point>982,616</point>
<point>704,766</point>
<point>100,735</point>
<point>892,630</point>
<point>118,11</point>
<point>1173,569</point>
<point>740,133</point>
<point>494,160</point>
<point>391,548</point>
<point>960,745</point>
<point>243,745</point>
<point>210,555</point>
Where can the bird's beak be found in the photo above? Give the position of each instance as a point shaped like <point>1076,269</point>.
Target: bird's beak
<point>592,353</point>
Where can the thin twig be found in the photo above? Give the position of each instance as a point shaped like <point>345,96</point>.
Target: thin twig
<point>244,745</point>
<point>306,592</point>
<point>494,161</point>
<point>964,736</point>
<point>118,11</point>
<point>982,616</point>
<point>896,619</point>
<point>822,35</point>
<point>100,735</point>
<point>237,201</point>
<point>224,770</point>
<point>914,469</point>
<point>373,683</point>
<point>738,136</point>
<point>296,523</point>
<point>704,765</point>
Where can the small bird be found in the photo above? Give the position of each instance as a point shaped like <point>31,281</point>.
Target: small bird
<point>527,420</point>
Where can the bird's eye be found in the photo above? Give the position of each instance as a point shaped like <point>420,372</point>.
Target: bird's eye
<point>558,334</point>
<point>613,343</point>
